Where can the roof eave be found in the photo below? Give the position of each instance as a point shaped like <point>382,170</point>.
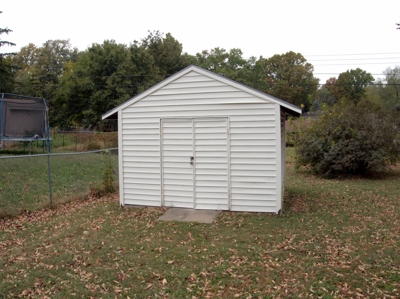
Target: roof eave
<point>290,108</point>
<point>110,115</point>
<point>292,112</point>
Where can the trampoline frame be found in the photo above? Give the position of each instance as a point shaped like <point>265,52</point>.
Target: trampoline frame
<point>45,139</point>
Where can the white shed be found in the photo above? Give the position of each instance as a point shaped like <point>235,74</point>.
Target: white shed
<point>200,140</point>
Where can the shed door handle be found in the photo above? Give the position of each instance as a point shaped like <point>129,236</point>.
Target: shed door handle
<point>191,160</point>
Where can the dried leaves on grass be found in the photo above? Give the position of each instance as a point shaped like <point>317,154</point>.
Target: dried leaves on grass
<point>335,239</point>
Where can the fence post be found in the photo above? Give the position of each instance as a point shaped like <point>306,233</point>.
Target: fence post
<point>49,178</point>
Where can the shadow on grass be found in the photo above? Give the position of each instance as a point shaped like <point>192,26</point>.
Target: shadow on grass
<point>306,192</point>
<point>296,203</point>
<point>390,172</point>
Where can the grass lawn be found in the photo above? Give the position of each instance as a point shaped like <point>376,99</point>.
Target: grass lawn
<point>334,239</point>
<point>25,186</point>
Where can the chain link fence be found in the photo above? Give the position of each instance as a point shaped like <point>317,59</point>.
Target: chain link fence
<point>63,141</point>
<point>35,181</point>
<point>82,140</point>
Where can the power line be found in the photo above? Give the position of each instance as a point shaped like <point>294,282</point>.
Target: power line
<point>381,74</point>
<point>358,54</point>
<point>366,63</point>
<point>254,86</point>
<point>335,55</point>
<point>369,58</point>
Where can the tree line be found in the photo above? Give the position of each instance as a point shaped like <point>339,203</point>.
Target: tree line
<point>81,85</point>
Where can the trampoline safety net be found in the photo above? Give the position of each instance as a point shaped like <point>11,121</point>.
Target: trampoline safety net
<point>22,117</point>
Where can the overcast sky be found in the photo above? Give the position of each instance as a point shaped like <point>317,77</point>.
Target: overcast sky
<point>322,31</point>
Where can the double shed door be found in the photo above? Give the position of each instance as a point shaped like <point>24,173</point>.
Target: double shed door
<point>195,163</point>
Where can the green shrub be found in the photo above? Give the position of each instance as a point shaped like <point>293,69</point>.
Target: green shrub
<point>92,144</point>
<point>349,138</point>
<point>108,176</point>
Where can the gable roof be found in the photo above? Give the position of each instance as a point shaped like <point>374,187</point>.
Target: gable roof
<point>289,108</point>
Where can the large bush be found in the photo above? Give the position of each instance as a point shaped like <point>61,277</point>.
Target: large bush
<point>349,138</point>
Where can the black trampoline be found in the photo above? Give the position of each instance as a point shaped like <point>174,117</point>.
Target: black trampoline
<point>24,118</point>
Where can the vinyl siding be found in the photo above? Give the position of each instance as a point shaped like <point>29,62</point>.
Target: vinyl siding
<point>283,156</point>
<point>251,145</point>
<point>176,150</point>
<point>211,138</point>
<point>141,161</point>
